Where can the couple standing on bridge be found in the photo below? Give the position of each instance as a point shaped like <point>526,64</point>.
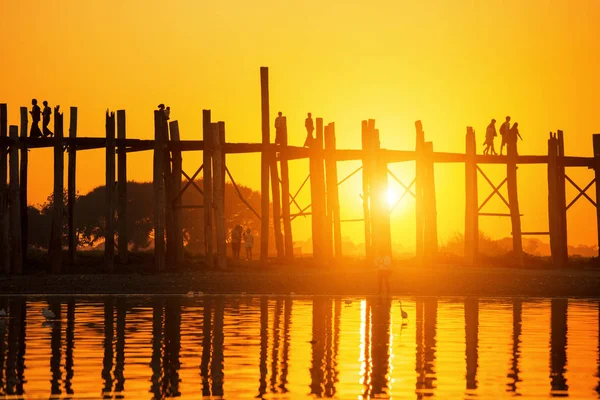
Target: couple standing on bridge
<point>509,135</point>
<point>308,124</point>
<point>35,118</point>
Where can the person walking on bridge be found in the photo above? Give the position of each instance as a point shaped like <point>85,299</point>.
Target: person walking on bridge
<point>513,134</point>
<point>46,120</point>
<point>490,134</point>
<point>310,127</point>
<point>504,133</point>
<point>278,127</point>
<point>35,120</point>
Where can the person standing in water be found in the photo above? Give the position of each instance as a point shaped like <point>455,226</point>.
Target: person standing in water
<point>46,120</point>
<point>310,127</point>
<point>35,120</point>
<point>248,244</point>
<point>236,241</point>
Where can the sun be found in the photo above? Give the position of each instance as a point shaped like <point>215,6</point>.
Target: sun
<point>392,197</point>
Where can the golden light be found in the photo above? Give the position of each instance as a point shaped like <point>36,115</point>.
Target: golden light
<point>392,197</point>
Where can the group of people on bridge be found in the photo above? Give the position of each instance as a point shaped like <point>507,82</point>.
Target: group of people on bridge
<point>308,124</point>
<point>509,135</point>
<point>36,114</point>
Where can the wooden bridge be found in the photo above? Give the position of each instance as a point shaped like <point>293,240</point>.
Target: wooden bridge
<point>323,156</point>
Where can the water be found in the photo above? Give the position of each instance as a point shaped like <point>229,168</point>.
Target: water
<point>252,347</point>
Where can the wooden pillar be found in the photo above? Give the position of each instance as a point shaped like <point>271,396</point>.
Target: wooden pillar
<point>176,188</point>
<point>219,195</point>
<point>596,147</point>
<point>317,191</point>
<point>16,256</point>
<point>366,174</point>
<point>553,224</point>
<point>4,243</point>
<point>285,195</point>
<point>207,187</point>
<point>71,187</point>
<point>562,198</point>
<point>419,188</point>
<point>276,201</point>
<point>380,209</point>
<point>430,233</point>
<point>513,199</point>
<point>109,244</point>
<point>333,201</point>
<point>264,166</point>
<point>23,184</point>
<point>55,248</point>
<point>169,216</point>
<point>471,200</point>
<point>159,191</point>
<point>123,243</point>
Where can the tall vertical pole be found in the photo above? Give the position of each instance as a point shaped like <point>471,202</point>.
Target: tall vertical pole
<point>16,256</point>
<point>553,213</point>
<point>513,198</point>
<point>71,187</point>
<point>431,240</point>
<point>285,195</point>
<point>419,188</point>
<point>276,201</point>
<point>159,191</point>
<point>596,146</point>
<point>23,184</point>
<point>264,167</point>
<point>317,190</point>
<point>207,186</point>
<point>169,216</point>
<point>109,244</point>
<point>55,248</point>
<point>365,139</point>
<point>471,200</point>
<point>219,195</point>
<point>122,187</point>
<point>380,219</point>
<point>333,200</point>
<point>177,175</point>
<point>4,243</point>
<point>562,198</point>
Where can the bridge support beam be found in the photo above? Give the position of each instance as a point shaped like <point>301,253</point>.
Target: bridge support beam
<point>471,200</point>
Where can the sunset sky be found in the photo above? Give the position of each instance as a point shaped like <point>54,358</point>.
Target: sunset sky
<point>451,64</point>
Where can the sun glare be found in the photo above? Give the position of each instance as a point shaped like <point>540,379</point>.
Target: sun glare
<point>392,197</point>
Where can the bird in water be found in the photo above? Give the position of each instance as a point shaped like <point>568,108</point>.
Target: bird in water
<point>347,302</point>
<point>2,312</point>
<point>48,314</point>
<point>313,341</point>
<point>403,313</point>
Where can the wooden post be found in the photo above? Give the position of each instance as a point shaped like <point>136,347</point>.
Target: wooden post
<point>471,200</point>
<point>365,139</point>
<point>177,176</point>
<point>55,248</point>
<point>264,166</point>
<point>109,244</point>
<point>333,201</point>
<point>169,215</point>
<point>419,189</point>
<point>122,188</point>
<point>71,187</point>
<point>317,190</point>
<point>596,147</point>
<point>219,195</point>
<point>4,243</point>
<point>513,199</point>
<point>23,184</point>
<point>16,256</point>
<point>276,201</point>
<point>285,195</point>
<point>159,191</point>
<point>430,234</point>
<point>562,198</point>
<point>553,226</point>
<point>207,187</point>
<point>380,215</point>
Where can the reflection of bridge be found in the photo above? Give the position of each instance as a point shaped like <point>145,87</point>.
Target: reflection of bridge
<point>324,208</point>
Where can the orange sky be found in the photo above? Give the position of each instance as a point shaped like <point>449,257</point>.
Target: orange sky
<point>450,64</point>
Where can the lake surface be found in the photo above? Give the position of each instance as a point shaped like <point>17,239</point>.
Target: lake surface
<point>242,347</point>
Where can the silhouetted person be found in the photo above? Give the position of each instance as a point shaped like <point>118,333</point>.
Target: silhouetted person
<point>248,244</point>
<point>278,127</point>
<point>513,134</point>
<point>310,127</point>
<point>35,120</point>
<point>504,129</point>
<point>168,113</point>
<point>46,120</point>
<point>236,241</point>
<point>490,134</point>
<point>384,265</point>
<point>161,107</point>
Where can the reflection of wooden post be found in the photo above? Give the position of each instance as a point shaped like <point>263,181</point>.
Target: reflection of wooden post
<point>317,189</point>
<point>71,187</point>
<point>55,248</point>
<point>366,170</point>
<point>109,244</point>
<point>552,200</point>
<point>419,188</point>
<point>176,188</point>
<point>264,167</point>
<point>562,198</point>
<point>471,200</point>
<point>207,186</point>
<point>430,234</point>
<point>4,244</point>
<point>513,198</point>
<point>285,195</point>
<point>596,146</point>
<point>23,185</point>
<point>122,187</point>
<point>333,201</point>
<point>159,192</point>
<point>16,256</point>
<point>219,195</point>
